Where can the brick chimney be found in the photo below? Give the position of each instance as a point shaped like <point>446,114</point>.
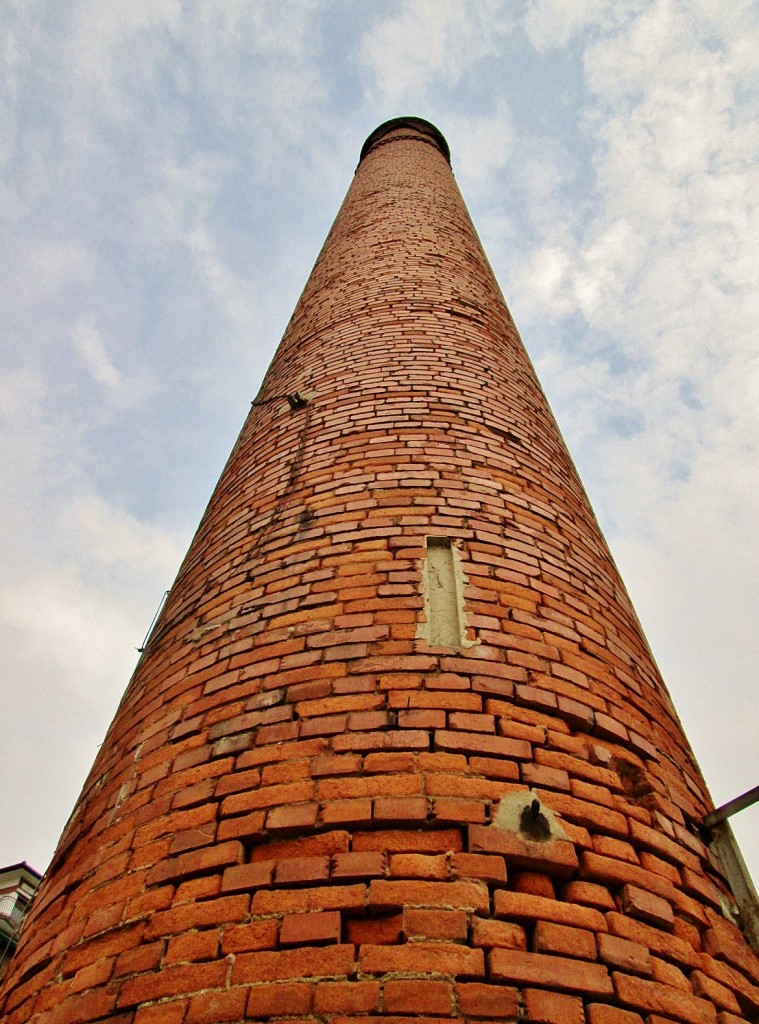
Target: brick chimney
<point>397,747</point>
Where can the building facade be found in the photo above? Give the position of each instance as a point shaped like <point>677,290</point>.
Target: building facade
<point>18,884</point>
<point>396,748</point>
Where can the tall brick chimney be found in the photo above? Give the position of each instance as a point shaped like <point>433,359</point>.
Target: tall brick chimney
<point>396,747</point>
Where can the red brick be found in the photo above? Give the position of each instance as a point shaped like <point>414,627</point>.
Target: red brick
<point>563,940</point>
<point>523,906</point>
<point>347,812</point>
<point>193,946</point>
<point>450,809</point>
<point>418,865</point>
<point>462,721</point>
<point>554,971</point>
<point>420,718</point>
<point>395,810</point>
<point>163,1013</point>
<point>389,763</point>
<point>668,946</point>
<point>721,996</point>
<point>244,938</point>
<point>280,1000</point>
<point>552,1007</point>
<point>456,895</point>
<point>435,924</point>
<point>499,934</point>
<point>172,981</point>
<point>746,993</point>
<point>310,929</point>
<point>319,961</point>
<point>335,764</point>
<point>196,862</point>
<point>324,897</point>
<point>631,957</point>
<point>296,870</point>
<point>647,907</point>
<point>541,775</point>
<point>478,865</point>
<point>423,958</point>
<point>224,911</point>
<point>217,1007</point>
<point>598,1013</point>
<point>723,941</point>
<point>478,743</point>
<point>533,882</point>
<point>244,827</point>
<point>401,841</point>
<point>286,819</point>
<point>374,931</point>
<point>616,872</point>
<point>145,957</point>
<point>352,866</point>
<point>650,997</point>
<point>417,996</point>
<point>589,894</point>
<point>346,997</point>
<point>555,857</point>
<point>247,877</point>
<point>477,1000</point>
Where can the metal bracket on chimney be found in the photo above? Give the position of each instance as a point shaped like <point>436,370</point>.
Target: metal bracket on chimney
<point>721,840</point>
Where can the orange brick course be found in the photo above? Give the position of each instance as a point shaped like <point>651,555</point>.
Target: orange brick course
<point>297,811</point>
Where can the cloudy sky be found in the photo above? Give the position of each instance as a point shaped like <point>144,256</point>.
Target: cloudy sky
<point>168,172</point>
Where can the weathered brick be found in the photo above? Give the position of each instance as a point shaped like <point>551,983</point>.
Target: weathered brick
<point>668,946</point>
<point>556,857</point>
<point>172,981</point>
<point>402,840</point>
<point>474,999</point>
<point>435,924</point>
<point>297,870</point>
<point>647,907</point>
<point>628,956</point>
<point>486,867</point>
<point>455,895</point>
<point>651,997</point>
<point>310,929</point>
<point>247,877</point>
<point>196,862</point>
<point>599,1013</point>
<point>478,743</point>
<point>552,1007</point>
<point>353,866</point>
<point>417,996</point>
<point>418,865</point>
<point>522,968</point>
<point>215,1007</point>
<point>423,958</point>
<point>498,934</point>
<point>563,940</point>
<point>524,906</point>
<point>304,962</point>
<point>346,996</point>
<point>295,901</point>
<point>277,1000</point>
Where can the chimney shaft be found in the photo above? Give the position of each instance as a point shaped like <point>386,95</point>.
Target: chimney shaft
<point>396,745</point>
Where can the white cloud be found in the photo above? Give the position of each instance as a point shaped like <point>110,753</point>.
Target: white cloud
<point>431,43</point>
<point>111,537</point>
<point>89,343</point>
<point>551,24</point>
<point>660,398</point>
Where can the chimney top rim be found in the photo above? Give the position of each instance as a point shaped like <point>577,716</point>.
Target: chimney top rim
<point>426,128</point>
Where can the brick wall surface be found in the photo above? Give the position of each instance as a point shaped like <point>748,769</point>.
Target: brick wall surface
<point>295,813</point>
